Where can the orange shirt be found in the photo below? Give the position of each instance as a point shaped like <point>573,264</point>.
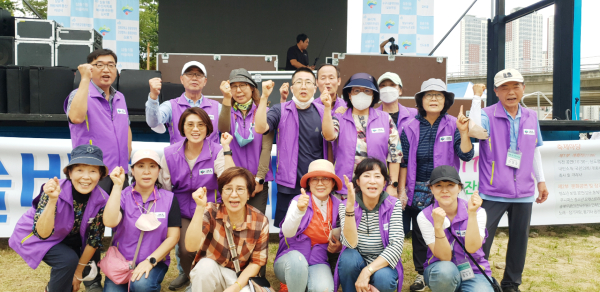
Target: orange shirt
<point>318,229</point>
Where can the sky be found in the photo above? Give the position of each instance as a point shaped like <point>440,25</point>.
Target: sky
<point>447,12</point>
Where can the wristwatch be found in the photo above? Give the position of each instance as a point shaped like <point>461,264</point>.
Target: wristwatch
<point>228,153</point>
<point>259,180</point>
<point>152,260</point>
<point>395,184</point>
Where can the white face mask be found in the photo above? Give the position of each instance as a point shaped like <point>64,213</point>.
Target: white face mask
<point>389,94</point>
<point>302,105</point>
<point>361,101</point>
<point>93,272</point>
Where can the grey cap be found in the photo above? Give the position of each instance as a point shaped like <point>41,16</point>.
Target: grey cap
<point>437,85</point>
<point>241,75</point>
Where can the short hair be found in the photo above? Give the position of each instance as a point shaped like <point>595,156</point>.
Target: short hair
<point>199,112</point>
<point>301,37</point>
<point>337,70</point>
<point>70,167</point>
<point>369,164</point>
<point>346,94</point>
<point>303,69</point>
<point>423,113</point>
<point>100,52</point>
<point>229,174</point>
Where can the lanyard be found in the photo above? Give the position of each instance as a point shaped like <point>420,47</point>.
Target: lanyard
<point>142,207</point>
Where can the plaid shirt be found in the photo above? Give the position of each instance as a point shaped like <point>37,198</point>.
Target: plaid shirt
<point>251,238</point>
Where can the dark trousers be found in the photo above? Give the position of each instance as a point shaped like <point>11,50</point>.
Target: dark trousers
<point>406,224</point>
<point>283,203</point>
<point>259,201</point>
<point>418,243</point>
<point>519,218</point>
<point>63,260</point>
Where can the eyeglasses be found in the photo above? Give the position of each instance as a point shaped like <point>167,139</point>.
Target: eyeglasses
<point>101,66</point>
<point>356,91</point>
<point>306,82</point>
<point>431,96</point>
<point>193,74</point>
<point>240,86</point>
<point>238,190</point>
<point>200,126</point>
<point>316,180</point>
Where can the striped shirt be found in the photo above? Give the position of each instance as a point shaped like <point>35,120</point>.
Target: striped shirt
<point>370,245</point>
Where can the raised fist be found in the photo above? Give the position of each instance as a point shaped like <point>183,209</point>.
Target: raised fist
<point>118,176</point>
<point>267,88</point>
<point>303,201</point>
<point>475,202</point>
<point>226,138</point>
<point>478,89</point>
<point>225,89</point>
<point>85,70</point>
<point>284,91</point>
<point>52,188</point>
<point>438,215</point>
<point>199,197</point>
<point>155,86</point>
<point>326,99</point>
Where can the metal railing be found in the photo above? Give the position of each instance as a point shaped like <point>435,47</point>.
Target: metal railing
<point>524,71</point>
<point>538,94</point>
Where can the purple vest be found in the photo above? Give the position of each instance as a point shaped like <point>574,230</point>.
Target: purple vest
<point>287,144</point>
<point>405,114</point>
<point>248,156</point>
<point>443,152</point>
<point>495,178</point>
<point>378,136</point>
<point>126,235</point>
<point>339,102</point>
<point>301,242</point>
<point>30,247</point>
<point>458,225</point>
<point>185,182</point>
<point>180,104</point>
<point>385,215</point>
<point>104,128</point>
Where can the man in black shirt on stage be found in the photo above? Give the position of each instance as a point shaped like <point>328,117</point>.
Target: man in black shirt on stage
<point>297,55</point>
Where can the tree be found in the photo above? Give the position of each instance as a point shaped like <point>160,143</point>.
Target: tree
<point>9,6</point>
<point>148,32</point>
<point>40,5</point>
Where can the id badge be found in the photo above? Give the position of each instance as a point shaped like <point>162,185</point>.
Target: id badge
<point>466,272</point>
<point>513,158</point>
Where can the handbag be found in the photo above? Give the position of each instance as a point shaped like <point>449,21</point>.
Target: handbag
<point>115,266</point>
<point>492,281</point>
<point>257,284</point>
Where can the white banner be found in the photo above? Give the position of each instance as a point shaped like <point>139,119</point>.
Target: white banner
<point>571,168</point>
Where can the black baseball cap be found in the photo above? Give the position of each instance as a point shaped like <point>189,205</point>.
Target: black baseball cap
<point>444,173</point>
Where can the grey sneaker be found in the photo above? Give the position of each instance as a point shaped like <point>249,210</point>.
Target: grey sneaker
<point>95,287</point>
<point>419,284</point>
<point>180,282</point>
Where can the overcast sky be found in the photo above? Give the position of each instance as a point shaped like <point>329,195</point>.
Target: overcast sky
<point>447,13</point>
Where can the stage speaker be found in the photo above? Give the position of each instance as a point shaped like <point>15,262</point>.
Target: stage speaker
<point>17,89</point>
<point>7,50</point>
<point>73,54</point>
<point>7,23</point>
<point>48,88</point>
<point>134,86</point>
<point>64,34</point>
<point>78,80</point>
<point>35,29</point>
<point>3,94</point>
<point>170,91</point>
<point>34,53</point>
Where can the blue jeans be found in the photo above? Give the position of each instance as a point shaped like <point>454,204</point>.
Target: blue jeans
<point>443,276</point>
<point>293,270</point>
<point>351,263</point>
<point>179,268</point>
<point>152,284</point>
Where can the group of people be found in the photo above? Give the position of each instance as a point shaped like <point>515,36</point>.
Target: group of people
<point>207,195</point>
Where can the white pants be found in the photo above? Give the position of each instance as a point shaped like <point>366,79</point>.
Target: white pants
<point>209,276</point>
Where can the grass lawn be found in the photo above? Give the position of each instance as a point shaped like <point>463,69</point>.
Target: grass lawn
<point>561,258</point>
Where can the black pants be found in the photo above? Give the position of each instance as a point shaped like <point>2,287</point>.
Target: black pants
<point>283,203</point>
<point>418,243</point>
<point>63,260</point>
<point>259,201</point>
<point>519,218</point>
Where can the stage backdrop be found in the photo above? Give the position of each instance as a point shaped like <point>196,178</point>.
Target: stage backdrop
<point>116,20</point>
<point>571,168</point>
<point>410,22</point>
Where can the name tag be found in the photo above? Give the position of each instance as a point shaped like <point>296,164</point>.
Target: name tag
<point>461,233</point>
<point>446,139</point>
<point>206,171</point>
<point>160,215</point>
<point>377,130</point>
<point>121,111</point>
<point>513,159</point>
<point>386,226</point>
<point>212,117</point>
<point>529,131</point>
<point>90,220</point>
<point>466,272</point>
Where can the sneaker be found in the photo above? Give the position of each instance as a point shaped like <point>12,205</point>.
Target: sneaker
<point>419,284</point>
<point>283,287</point>
<point>180,282</point>
<point>94,287</point>
<point>510,289</point>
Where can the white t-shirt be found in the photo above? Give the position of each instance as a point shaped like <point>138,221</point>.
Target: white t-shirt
<point>429,232</point>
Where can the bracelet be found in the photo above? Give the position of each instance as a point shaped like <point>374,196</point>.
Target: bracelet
<point>239,285</point>
<point>350,214</point>
<point>80,280</point>
<point>81,264</point>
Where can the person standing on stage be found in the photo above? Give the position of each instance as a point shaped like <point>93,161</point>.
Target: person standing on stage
<point>194,78</point>
<point>299,139</point>
<point>297,55</point>
<point>508,162</point>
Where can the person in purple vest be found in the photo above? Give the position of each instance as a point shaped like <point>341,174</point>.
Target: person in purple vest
<point>390,89</point>
<point>299,138</point>
<point>372,233</point>
<point>362,131</point>
<point>193,77</point>
<point>448,268</point>
<point>142,207</point>
<point>250,150</point>
<point>328,78</point>
<point>307,232</point>
<point>97,112</point>
<point>192,163</point>
<point>64,225</point>
<point>508,163</point>
<point>431,139</point>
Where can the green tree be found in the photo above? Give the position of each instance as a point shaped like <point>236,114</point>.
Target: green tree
<point>9,6</point>
<point>148,32</point>
<point>40,5</point>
